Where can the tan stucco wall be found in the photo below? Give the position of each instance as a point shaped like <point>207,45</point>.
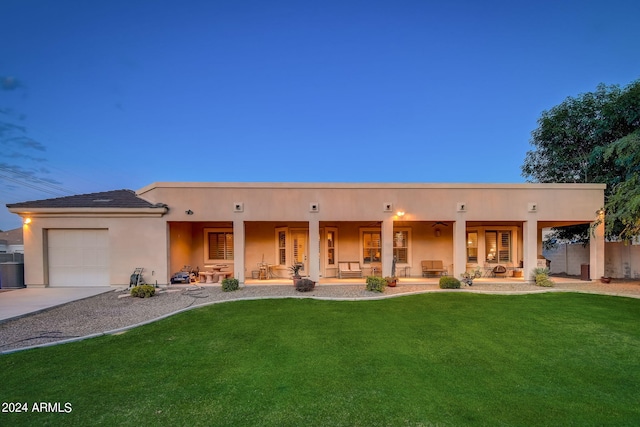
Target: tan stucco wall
<point>162,244</point>
<point>364,202</point>
<point>355,204</point>
<point>133,242</point>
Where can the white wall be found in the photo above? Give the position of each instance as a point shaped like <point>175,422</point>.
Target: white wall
<point>621,261</point>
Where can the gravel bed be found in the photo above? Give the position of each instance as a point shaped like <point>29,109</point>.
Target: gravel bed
<point>111,311</point>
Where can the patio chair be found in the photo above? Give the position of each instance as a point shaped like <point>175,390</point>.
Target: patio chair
<point>499,271</point>
<point>349,270</point>
<point>432,268</point>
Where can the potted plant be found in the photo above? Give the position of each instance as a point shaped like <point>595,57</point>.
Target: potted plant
<point>392,280</point>
<point>295,271</point>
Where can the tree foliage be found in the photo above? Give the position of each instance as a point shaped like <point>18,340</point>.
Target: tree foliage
<point>593,137</point>
<point>623,204</point>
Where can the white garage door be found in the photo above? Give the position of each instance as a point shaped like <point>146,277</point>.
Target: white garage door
<point>78,258</point>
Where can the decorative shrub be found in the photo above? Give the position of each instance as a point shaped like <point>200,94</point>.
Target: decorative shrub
<point>305,285</point>
<point>543,280</point>
<point>143,291</point>
<point>449,282</point>
<point>376,284</point>
<point>539,270</point>
<point>541,277</point>
<point>230,284</point>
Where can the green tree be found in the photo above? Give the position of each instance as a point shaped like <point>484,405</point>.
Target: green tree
<point>590,138</point>
<point>623,203</point>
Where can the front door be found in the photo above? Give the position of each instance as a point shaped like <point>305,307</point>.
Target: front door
<point>299,239</point>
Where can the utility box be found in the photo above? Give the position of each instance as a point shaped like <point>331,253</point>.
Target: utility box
<point>584,272</point>
<point>12,275</point>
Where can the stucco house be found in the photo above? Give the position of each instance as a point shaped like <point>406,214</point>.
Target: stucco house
<point>100,238</point>
<point>11,241</point>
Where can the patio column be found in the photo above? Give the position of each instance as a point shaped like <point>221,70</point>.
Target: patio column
<point>314,250</point>
<point>387,246</point>
<point>530,247</point>
<point>238,250</point>
<point>459,246</point>
<point>596,250</point>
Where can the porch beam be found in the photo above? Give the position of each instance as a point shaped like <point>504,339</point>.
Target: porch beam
<point>387,246</point>
<point>530,247</point>
<point>596,250</point>
<point>314,250</point>
<point>238,250</point>
<point>459,246</point>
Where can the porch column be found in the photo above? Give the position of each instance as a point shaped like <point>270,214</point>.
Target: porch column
<point>387,246</point>
<point>530,247</point>
<point>459,246</point>
<point>596,250</point>
<point>238,250</point>
<point>314,250</point>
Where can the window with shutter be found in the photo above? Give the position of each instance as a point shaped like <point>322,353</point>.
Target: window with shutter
<point>472,247</point>
<point>371,246</point>
<point>219,244</point>
<point>498,246</point>
<point>401,246</point>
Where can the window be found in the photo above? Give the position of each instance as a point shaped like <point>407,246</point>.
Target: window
<point>401,246</point>
<point>282,240</point>
<point>472,247</point>
<point>498,246</point>
<point>218,244</point>
<point>282,247</point>
<point>372,246</point>
<point>331,247</point>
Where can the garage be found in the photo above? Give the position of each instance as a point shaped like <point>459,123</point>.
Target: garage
<point>78,257</point>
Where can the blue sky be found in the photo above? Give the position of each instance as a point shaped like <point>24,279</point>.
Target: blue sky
<point>119,94</point>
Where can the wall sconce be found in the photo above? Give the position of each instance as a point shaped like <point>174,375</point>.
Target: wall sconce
<point>189,212</point>
<point>27,221</point>
<point>400,214</point>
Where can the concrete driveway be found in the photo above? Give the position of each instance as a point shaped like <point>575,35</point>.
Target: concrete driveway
<point>18,302</point>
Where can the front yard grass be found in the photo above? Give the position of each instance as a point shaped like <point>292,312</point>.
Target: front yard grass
<point>434,359</point>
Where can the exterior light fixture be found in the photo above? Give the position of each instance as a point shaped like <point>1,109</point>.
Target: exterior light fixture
<point>189,212</point>
<point>400,214</point>
<point>27,221</point>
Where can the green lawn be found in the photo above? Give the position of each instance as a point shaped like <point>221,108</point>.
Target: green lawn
<point>435,359</point>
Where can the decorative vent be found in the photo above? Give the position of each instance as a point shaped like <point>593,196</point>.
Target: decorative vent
<point>238,207</point>
<point>314,207</point>
<point>387,207</point>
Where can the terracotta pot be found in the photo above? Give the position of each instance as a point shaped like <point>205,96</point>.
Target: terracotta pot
<point>605,279</point>
<point>392,283</point>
